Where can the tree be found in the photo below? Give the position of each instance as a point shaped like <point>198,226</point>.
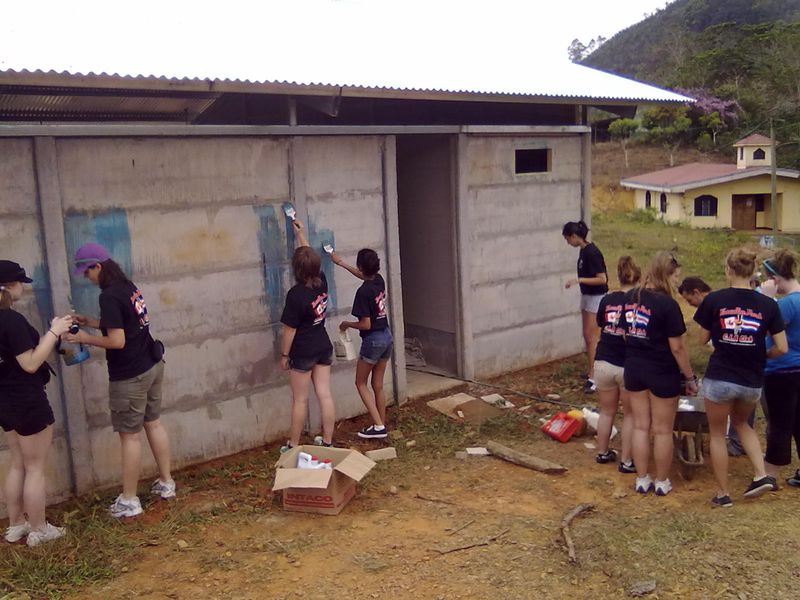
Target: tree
<point>711,113</point>
<point>668,126</point>
<point>578,51</point>
<point>623,130</point>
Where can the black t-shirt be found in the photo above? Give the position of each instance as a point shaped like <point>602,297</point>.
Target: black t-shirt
<point>652,320</point>
<point>590,263</point>
<point>17,336</point>
<point>739,320</point>
<point>122,307</point>
<point>611,320</point>
<point>305,310</point>
<point>370,302</point>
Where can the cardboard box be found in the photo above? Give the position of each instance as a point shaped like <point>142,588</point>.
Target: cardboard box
<point>320,491</point>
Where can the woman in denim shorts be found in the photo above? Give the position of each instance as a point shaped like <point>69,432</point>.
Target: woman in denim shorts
<point>737,320</point>
<point>369,307</point>
<point>135,373</point>
<point>306,349</point>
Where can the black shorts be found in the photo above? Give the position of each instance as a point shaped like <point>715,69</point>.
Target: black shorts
<point>26,415</point>
<point>304,364</point>
<point>661,383</point>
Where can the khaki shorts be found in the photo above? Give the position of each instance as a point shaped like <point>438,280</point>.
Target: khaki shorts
<point>608,376</point>
<point>136,400</point>
<point>591,303</point>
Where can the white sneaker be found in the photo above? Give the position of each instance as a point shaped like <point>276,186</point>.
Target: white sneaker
<point>663,487</point>
<point>644,485</point>
<point>16,532</point>
<point>126,508</point>
<point>164,489</point>
<point>50,532</point>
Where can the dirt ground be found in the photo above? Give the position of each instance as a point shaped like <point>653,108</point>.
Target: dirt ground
<point>430,525</point>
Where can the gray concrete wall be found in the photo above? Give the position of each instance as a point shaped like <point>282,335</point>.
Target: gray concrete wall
<point>427,250</point>
<point>197,223</point>
<point>21,240</point>
<point>520,313</point>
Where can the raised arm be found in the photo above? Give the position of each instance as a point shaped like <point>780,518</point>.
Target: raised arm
<point>337,260</point>
<point>299,233</point>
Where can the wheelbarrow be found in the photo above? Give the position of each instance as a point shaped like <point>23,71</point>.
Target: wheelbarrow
<point>690,425</point>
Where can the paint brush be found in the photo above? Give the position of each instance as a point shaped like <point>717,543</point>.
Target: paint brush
<point>328,248</point>
<point>289,210</point>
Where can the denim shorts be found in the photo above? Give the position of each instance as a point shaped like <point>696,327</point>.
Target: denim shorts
<point>376,346</point>
<point>304,364</point>
<point>721,392</point>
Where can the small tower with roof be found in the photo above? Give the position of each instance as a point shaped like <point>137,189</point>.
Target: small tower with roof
<point>753,151</point>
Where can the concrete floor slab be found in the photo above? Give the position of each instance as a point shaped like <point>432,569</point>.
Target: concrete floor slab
<point>425,385</point>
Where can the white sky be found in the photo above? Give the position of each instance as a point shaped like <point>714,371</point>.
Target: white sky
<point>305,40</point>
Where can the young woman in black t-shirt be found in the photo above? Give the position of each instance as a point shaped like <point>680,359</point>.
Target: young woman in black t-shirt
<point>370,307</point>
<point>737,320</point>
<point>25,413</point>
<point>135,374</point>
<point>593,281</point>
<point>655,357</point>
<point>306,350</point>
<point>609,367</point>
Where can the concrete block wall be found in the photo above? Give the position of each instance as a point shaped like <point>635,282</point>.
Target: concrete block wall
<point>197,223</point>
<point>520,313</point>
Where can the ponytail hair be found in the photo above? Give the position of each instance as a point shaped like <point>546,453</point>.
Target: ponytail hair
<point>306,265</point>
<point>784,264</point>
<point>5,296</point>
<point>572,228</point>
<point>628,272</point>
<point>661,269</point>
<point>111,273</point>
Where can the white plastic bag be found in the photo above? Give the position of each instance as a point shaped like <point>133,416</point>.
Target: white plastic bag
<point>344,347</point>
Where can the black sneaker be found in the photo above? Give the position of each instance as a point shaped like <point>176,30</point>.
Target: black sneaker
<point>606,457</point>
<point>626,467</point>
<point>589,387</point>
<point>373,432</point>
<point>721,501</point>
<point>794,480</point>
<point>760,487</point>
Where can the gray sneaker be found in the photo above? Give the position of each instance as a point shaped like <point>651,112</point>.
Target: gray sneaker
<point>50,532</point>
<point>16,532</point>
<point>165,489</point>
<point>126,508</point>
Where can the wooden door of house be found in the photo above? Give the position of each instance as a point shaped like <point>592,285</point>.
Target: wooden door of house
<point>743,213</point>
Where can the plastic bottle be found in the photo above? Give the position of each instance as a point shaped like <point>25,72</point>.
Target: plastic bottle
<point>314,463</point>
<point>325,464</point>
<point>303,460</point>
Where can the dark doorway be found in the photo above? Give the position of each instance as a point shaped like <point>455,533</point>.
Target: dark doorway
<point>425,199</point>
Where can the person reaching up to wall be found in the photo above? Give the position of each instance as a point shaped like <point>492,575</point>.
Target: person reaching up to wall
<point>25,413</point>
<point>370,308</point>
<point>306,349</point>
<point>737,320</point>
<point>655,357</point>
<point>135,373</point>
<point>609,367</point>
<point>593,281</point>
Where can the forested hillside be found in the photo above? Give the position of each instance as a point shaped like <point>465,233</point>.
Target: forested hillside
<point>744,52</point>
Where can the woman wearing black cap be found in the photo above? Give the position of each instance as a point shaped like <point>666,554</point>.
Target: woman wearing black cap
<point>25,413</point>
<point>135,373</point>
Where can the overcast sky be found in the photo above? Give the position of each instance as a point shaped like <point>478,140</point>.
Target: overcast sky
<point>177,38</point>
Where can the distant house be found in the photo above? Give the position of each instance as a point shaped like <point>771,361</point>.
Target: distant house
<point>723,195</point>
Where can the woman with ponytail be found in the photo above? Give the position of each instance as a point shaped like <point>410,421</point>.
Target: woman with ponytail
<point>25,413</point>
<point>593,281</point>
<point>655,357</point>
<point>609,364</point>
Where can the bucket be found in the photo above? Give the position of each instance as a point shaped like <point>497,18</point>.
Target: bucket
<point>561,427</point>
<point>344,347</point>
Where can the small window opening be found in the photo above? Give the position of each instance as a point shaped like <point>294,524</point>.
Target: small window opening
<point>759,154</point>
<point>532,160</point>
<point>705,206</point>
<point>663,202</point>
<point>648,199</point>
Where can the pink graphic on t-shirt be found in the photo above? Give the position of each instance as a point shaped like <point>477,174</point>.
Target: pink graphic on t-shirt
<point>140,308</point>
<point>380,300</point>
<point>319,306</point>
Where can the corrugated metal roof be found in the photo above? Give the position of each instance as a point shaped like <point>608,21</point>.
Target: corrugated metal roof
<point>573,82</point>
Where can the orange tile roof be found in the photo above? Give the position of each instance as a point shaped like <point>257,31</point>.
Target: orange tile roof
<point>682,175</point>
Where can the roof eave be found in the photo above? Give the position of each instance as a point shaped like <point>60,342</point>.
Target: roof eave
<point>685,187</point>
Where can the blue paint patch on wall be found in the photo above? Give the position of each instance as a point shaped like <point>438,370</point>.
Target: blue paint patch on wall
<point>276,255</point>
<point>109,228</point>
<point>318,237</point>
<point>41,293</point>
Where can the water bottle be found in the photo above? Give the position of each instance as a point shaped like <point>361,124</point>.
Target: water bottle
<point>303,460</point>
<point>73,354</point>
<point>326,464</point>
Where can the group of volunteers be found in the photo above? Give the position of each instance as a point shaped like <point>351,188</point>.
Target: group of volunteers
<point>136,371</point>
<point>637,358</point>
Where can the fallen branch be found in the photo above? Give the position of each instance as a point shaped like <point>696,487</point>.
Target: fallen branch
<point>431,499</point>
<point>522,459</point>
<point>578,510</point>
<point>485,542</point>
<point>464,526</point>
